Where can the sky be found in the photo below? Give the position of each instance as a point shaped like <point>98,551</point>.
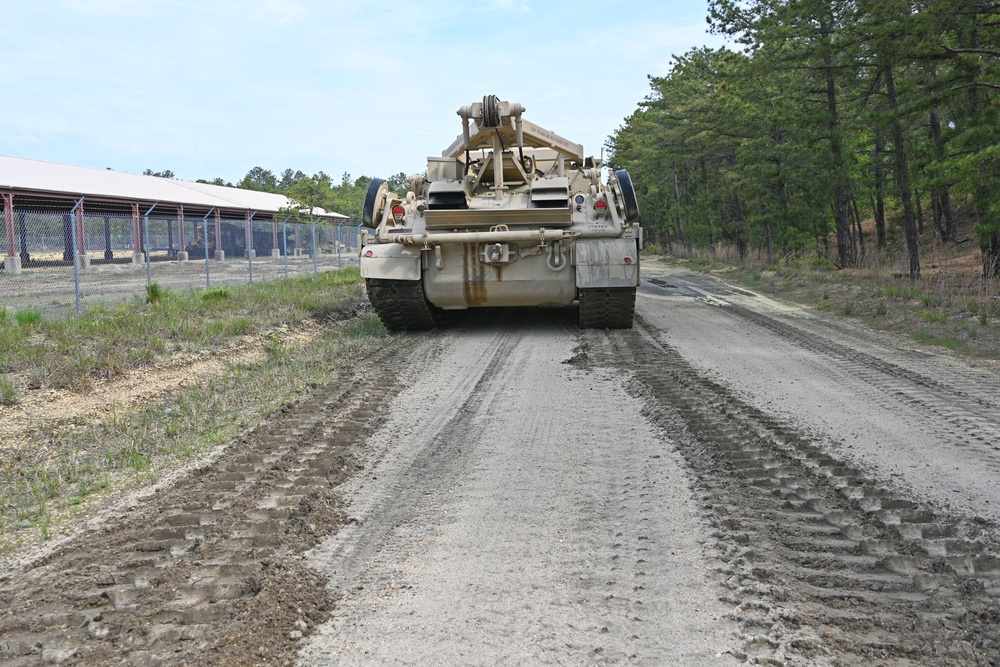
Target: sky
<point>213,88</point>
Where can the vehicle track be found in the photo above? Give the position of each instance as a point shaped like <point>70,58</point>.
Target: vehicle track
<point>967,417</point>
<point>208,570</point>
<point>823,563</point>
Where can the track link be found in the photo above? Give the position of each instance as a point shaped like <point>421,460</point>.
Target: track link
<point>400,304</point>
<point>607,308</point>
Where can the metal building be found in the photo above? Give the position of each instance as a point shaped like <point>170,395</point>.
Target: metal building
<point>104,215</point>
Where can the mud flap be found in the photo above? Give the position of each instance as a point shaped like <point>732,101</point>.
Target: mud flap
<point>390,261</point>
<point>602,263</point>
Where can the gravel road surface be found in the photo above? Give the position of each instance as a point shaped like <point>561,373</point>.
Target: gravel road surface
<point>734,480</point>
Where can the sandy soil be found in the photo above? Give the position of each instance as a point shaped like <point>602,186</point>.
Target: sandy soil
<point>734,479</point>
<point>62,407</point>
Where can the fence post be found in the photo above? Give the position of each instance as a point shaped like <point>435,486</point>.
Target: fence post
<point>145,245</point>
<point>137,242</point>
<point>248,227</point>
<point>315,250</point>
<point>76,255</point>
<point>204,238</point>
<point>340,227</point>
<point>182,254</point>
<point>284,241</point>
<point>12,262</point>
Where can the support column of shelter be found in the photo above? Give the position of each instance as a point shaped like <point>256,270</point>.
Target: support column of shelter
<point>108,253</point>
<point>220,254</point>
<point>81,238</point>
<point>182,254</point>
<point>12,262</point>
<point>22,229</point>
<point>275,250</point>
<point>137,254</point>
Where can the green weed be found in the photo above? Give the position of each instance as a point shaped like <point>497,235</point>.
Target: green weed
<point>27,316</point>
<point>156,292</point>
<point>8,392</point>
<point>214,294</point>
<point>931,339</point>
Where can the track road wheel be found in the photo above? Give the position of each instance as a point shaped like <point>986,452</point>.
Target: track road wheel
<point>626,195</point>
<point>607,307</point>
<point>378,190</point>
<point>400,304</point>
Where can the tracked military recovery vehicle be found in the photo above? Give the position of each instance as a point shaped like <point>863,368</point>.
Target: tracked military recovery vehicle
<point>511,214</point>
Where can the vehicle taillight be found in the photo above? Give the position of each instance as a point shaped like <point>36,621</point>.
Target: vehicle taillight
<point>369,253</point>
<point>397,212</point>
<point>628,260</point>
<point>600,206</point>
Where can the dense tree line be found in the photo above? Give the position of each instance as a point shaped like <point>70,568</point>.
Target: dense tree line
<point>825,113</point>
<point>346,197</point>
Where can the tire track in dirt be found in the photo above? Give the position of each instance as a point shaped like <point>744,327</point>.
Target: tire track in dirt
<point>824,563</point>
<point>558,528</point>
<point>210,569</point>
<point>372,518</point>
<point>966,417</point>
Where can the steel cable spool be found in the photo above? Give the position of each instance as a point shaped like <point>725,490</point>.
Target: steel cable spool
<point>491,111</point>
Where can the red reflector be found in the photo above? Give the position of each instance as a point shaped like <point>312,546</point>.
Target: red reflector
<point>398,211</point>
<point>369,253</point>
<point>628,260</point>
<point>600,204</point>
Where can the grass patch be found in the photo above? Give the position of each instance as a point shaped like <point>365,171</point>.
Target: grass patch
<point>27,316</point>
<point>60,469</point>
<point>107,342</point>
<point>932,339</point>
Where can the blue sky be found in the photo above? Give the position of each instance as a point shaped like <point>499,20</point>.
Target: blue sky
<point>211,88</point>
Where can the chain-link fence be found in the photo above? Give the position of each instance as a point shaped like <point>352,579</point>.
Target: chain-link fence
<point>61,263</point>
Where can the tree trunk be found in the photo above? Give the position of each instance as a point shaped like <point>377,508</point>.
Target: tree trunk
<point>940,192</point>
<point>903,176</point>
<point>857,222</point>
<point>840,191</point>
<point>677,196</point>
<point>879,190</point>
<point>919,211</point>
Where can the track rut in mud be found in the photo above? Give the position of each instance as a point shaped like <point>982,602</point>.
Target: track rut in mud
<point>822,563</point>
<point>208,570</point>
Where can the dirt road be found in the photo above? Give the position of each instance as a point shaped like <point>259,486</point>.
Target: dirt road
<point>732,480</point>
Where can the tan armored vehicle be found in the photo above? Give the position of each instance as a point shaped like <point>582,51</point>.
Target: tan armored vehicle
<point>510,215</point>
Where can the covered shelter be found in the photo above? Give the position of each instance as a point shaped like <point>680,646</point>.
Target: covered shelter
<point>191,217</point>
